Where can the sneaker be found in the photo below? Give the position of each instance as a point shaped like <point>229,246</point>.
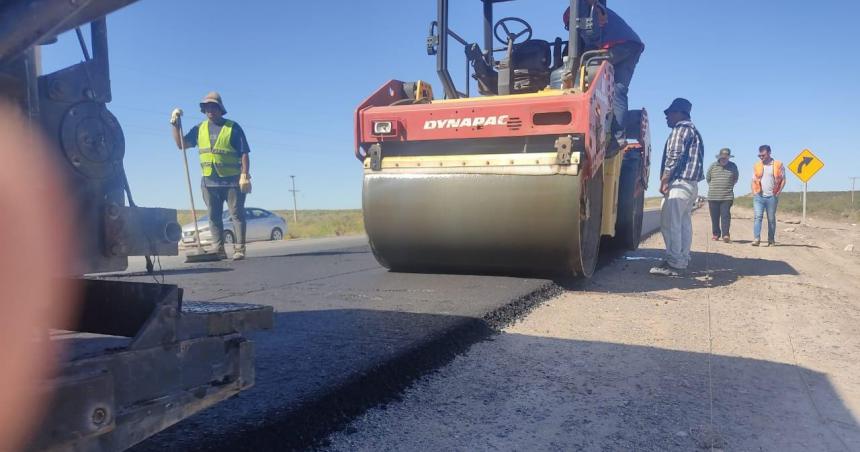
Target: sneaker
<point>756,242</point>
<point>771,243</point>
<point>665,269</point>
<point>715,237</point>
<point>238,255</point>
<point>727,239</point>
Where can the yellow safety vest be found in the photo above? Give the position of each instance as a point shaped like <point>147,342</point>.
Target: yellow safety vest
<point>225,159</point>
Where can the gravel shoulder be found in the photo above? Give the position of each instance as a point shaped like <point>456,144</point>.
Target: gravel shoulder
<point>756,349</point>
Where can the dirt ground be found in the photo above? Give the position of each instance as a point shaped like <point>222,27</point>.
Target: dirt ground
<point>757,349</point>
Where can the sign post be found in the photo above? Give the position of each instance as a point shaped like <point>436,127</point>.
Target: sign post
<point>804,166</point>
<point>805,185</point>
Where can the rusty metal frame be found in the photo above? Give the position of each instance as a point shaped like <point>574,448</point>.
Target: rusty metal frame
<point>139,359</point>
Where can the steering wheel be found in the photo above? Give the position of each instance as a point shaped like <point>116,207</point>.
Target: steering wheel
<point>513,37</point>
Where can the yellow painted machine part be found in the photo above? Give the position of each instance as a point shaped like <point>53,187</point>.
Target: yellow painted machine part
<point>611,176</point>
<point>535,164</point>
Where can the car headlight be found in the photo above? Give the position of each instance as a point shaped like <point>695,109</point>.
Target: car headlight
<point>383,127</point>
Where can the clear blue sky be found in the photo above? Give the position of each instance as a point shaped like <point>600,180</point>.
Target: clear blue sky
<point>291,74</point>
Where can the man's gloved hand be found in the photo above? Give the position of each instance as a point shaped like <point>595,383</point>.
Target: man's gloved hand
<point>245,183</point>
<point>175,116</point>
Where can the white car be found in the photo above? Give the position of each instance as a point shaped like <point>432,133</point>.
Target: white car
<point>260,224</point>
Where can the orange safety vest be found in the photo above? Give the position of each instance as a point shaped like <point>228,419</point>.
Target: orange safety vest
<point>778,177</point>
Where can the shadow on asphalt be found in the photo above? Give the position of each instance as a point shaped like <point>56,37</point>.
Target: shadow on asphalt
<point>706,270</point>
<point>315,383</point>
<point>583,395</point>
<point>169,272</point>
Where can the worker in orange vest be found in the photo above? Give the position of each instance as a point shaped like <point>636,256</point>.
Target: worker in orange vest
<point>768,182</point>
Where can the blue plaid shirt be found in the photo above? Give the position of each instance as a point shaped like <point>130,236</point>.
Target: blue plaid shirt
<point>684,153</point>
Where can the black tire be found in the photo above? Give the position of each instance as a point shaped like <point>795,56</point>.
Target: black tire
<point>277,234</point>
<point>589,226</point>
<point>229,238</point>
<point>631,205</point>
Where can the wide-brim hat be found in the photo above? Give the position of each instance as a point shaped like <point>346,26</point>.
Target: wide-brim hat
<point>680,105</point>
<point>213,98</point>
<point>725,152</point>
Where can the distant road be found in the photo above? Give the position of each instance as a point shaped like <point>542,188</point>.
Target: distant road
<point>263,249</point>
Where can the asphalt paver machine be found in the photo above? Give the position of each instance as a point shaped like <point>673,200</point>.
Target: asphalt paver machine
<point>520,179</point>
<point>137,358</point>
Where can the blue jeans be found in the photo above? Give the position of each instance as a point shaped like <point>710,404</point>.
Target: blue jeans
<point>762,204</point>
<point>624,58</point>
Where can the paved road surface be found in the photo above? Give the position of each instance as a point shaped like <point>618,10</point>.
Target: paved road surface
<point>755,349</point>
<point>348,334</point>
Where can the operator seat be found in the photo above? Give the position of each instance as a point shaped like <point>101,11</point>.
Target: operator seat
<point>531,61</point>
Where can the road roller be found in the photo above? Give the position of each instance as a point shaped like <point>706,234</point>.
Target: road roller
<point>523,177</point>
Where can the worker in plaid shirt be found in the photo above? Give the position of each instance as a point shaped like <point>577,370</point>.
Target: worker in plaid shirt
<point>680,173</point>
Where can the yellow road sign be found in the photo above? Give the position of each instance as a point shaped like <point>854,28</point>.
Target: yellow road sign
<point>805,165</point>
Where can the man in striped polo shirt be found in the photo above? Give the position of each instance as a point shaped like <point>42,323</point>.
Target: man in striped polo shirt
<point>680,173</point>
<point>722,177</point>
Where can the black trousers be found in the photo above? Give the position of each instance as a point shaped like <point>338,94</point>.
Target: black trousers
<point>215,198</point>
<point>721,217</point>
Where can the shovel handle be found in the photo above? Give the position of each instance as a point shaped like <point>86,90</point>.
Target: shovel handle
<point>188,181</point>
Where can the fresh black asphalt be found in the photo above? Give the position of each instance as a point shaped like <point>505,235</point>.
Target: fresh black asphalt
<point>347,335</point>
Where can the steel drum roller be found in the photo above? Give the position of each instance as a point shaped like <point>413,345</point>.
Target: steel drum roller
<point>481,222</point>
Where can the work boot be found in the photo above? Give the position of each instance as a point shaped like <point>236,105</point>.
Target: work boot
<point>665,269</point>
<point>238,253</point>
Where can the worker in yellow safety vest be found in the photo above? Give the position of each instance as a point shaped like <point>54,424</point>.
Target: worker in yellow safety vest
<point>767,183</point>
<point>225,164</point>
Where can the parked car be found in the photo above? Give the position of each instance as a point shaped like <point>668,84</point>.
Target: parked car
<point>260,225</point>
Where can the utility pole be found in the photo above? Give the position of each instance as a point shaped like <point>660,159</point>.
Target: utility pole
<point>853,184</point>
<point>295,209</point>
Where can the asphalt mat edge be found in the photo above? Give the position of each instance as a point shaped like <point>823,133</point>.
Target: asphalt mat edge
<point>308,426</point>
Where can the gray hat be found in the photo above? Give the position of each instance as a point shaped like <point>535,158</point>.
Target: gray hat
<point>213,98</point>
<point>681,105</point>
<point>725,152</point>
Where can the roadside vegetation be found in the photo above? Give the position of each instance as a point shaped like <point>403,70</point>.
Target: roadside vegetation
<point>827,205</point>
<point>332,223</point>
<point>311,224</point>
<point>323,223</point>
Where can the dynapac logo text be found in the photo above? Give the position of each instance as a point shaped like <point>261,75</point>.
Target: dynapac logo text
<point>456,123</point>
